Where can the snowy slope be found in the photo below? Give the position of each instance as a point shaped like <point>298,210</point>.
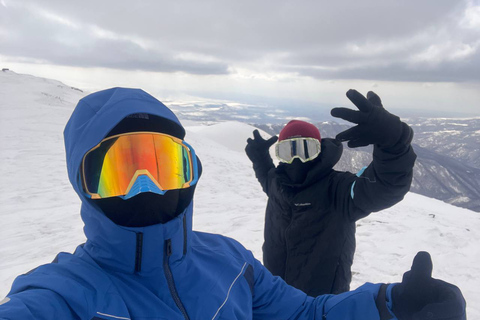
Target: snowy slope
<point>38,208</point>
<point>40,212</point>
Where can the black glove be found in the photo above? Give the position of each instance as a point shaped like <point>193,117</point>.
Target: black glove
<point>375,125</point>
<point>257,148</point>
<point>419,296</point>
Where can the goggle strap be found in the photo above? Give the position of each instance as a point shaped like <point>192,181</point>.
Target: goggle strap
<point>194,164</point>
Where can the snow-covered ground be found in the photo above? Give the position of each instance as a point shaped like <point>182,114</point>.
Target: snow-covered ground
<point>39,212</point>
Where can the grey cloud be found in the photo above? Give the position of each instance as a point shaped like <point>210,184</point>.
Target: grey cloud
<point>290,36</point>
<point>450,72</point>
<point>47,41</point>
<point>269,24</point>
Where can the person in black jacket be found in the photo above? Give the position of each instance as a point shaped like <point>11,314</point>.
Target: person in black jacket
<point>312,209</point>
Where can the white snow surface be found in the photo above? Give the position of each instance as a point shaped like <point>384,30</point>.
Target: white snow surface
<point>39,210</point>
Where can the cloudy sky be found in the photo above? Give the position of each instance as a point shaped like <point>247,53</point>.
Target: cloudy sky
<point>422,55</point>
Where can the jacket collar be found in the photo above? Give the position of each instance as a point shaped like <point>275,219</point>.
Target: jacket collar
<point>134,250</point>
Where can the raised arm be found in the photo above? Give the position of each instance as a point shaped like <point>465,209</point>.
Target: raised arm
<point>35,304</point>
<point>389,176</point>
<point>52,291</point>
<point>273,299</point>
<point>257,151</point>
<point>418,296</point>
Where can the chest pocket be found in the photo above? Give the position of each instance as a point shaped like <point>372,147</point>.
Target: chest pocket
<point>238,298</point>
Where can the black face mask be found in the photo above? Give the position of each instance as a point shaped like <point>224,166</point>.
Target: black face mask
<point>146,209</point>
<point>297,171</point>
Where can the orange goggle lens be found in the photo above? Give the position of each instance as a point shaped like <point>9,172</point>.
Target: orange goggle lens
<point>111,168</point>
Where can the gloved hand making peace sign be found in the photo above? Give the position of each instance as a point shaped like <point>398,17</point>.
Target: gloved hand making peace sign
<point>257,148</point>
<point>375,125</point>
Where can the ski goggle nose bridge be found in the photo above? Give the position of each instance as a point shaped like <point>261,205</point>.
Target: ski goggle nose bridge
<point>305,149</point>
<point>119,165</point>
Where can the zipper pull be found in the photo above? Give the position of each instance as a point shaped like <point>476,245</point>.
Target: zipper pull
<point>168,247</point>
<point>138,252</point>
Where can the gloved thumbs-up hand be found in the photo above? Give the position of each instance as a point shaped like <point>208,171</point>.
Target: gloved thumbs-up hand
<point>420,297</point>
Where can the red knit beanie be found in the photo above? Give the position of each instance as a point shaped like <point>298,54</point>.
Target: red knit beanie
<point>298,128</point>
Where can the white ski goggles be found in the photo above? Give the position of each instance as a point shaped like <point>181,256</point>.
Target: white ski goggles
<point>305,149</point>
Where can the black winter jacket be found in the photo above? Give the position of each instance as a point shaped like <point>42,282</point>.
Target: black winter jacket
<point>310,227</point>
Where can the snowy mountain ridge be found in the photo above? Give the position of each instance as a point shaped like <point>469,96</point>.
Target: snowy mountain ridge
<point>40,211</point>
<point>448,162</point>
<point>448,149</point>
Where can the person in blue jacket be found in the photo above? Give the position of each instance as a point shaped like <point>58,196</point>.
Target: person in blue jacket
<point>136,176</point>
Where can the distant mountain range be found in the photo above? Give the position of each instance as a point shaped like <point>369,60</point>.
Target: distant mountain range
<point>448,149</point>
<point>448,163</point>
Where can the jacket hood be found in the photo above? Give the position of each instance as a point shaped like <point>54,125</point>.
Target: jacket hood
<point>96,114</point>
<point>330,154</point>
<point>108,243</point>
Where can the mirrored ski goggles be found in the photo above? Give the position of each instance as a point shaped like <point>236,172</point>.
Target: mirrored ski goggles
<point>305,149</point>
<point>127,164</point>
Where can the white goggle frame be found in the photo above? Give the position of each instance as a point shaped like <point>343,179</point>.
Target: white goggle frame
<point>305,149</point>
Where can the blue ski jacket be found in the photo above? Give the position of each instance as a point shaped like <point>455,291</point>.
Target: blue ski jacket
<point>164,271</point>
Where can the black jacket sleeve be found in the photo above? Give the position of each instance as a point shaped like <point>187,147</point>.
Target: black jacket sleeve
<point>383,183</point>
<point>263,167</point>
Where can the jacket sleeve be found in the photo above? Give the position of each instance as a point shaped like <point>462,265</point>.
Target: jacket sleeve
<point>275,299</point>
<point>380,185</point>
<point>46,293</point>
<point>35,304</point>
<point>263,167</point>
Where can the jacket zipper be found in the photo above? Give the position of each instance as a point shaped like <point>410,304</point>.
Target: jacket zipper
<point>287,247</point>
<point>184,234</point>
<point>138,252</point>
<point>169,277</point>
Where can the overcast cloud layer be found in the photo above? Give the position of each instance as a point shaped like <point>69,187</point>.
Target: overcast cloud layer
<point>392,40</point>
